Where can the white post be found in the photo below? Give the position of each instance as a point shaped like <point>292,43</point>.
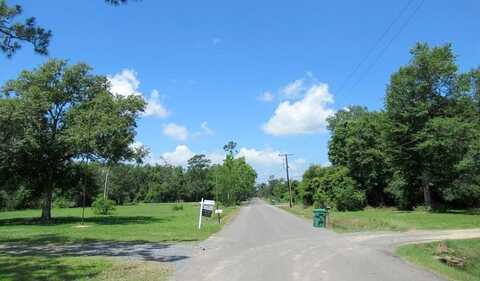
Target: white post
<point>200,217</point>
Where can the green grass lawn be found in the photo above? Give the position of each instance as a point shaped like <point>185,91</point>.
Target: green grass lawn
<point>40,268</point>
<point>143,222</point>
<point>137,223</point>
<point>423,255</point>
<point>375,219</point>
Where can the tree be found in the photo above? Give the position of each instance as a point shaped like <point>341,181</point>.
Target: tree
<point>423,97</point>
<point>103,128</point>
<point>309,184</point>
<point>12,34</point>
<point>51,103</point>
<point>234,179</point>
<point>337,189</point>
<point>358,142</point>
<point>197,177</point>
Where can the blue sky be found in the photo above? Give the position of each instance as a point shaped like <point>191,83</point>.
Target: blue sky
<point>262,73</point>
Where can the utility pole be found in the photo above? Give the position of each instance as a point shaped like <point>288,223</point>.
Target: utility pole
<point>288,177</point>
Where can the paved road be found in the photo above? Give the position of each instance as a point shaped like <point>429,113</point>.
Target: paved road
<point>266,243</point>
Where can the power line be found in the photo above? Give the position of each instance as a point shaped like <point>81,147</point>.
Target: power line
<point>374,46</point>
<point>379,56</point>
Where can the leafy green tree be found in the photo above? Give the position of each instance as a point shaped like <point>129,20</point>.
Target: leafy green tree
<point>48,101</point>
<point>198,182</point>
<point>310,184</point>
<point>428,103</point>
<point>234,179</point>
<point>337,188</point>
<point>358,142</point>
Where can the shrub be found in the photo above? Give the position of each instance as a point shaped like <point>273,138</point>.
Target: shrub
<point>337,189</point>
<point>349,199</point>
<point>103,206</point>
<point>322,200</point>
<point>177,207</point>
<point>62,202</point>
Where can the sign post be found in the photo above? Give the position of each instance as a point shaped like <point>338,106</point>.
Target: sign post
<point>206,210</point>
<point>219,214</point>
<point>200,217</point>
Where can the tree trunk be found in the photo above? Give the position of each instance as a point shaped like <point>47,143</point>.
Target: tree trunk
<point>47,206</point>
<point>106,182</point>
<point>427,196</point>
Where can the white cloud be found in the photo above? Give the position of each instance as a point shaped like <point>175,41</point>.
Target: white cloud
<point>294,89</point>
<point>266,161</point>
<point>216,157</point>
<point>155,107</point>
<point>304,116</point>
<point>175,131</point>
<point>267,96</point>
<point>126,84</point>
<point>205,129</point>
<point>179,156</point>
<point>266,157</point>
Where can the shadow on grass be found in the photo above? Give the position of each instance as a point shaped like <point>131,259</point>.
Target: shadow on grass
<point>57,246</point>
<point>102,220</point>
<point>38,268</point>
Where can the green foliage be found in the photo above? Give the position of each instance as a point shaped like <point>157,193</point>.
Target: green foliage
<point>424,255</point>
<point>62,202</point>
<point>337,189</point>
<point>12,34</point>
<point>310,184</point>
<point>423,149</point>
<point>103,206</point>
<point>177,207</point>
<point>432,111</point>
<point>358,143</point>
<point>62,113</point>
<point>198,183</point>
<point>234,180</point>
<point>349,199</point>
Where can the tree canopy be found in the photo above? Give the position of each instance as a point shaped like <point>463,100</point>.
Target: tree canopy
<point>423,148</point>
<point>62,113</point>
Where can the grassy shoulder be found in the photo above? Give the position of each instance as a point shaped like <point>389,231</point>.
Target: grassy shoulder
<point>136,223</point>
<point>19,268</point>
<point>143,222</point>
<point>377,219</point>
<point>424,256</point>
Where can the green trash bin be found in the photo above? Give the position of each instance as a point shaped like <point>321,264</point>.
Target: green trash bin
<point>319,217</point>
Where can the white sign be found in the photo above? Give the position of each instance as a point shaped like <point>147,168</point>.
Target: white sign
<point>218,211</point>
<point>206,210</point>
<point>209,202</point>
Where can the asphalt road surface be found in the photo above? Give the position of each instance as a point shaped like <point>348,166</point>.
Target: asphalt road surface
<point>266,243</point>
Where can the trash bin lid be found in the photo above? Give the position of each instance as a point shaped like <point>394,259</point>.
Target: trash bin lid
<point>319,210</point>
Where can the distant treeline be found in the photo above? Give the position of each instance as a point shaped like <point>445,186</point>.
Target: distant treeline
<point>230,183</point>
<point>422,149</point>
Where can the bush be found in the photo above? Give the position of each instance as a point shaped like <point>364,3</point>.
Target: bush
<point>103,206</point>
<point>349,199</point>
<point>177,207</point>
<point>337,189</point>
<point>322,200</point>
<point>62,202</point>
